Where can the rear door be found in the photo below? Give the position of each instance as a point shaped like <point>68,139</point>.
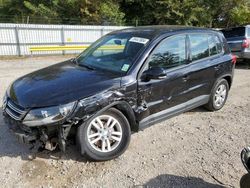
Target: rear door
<point>206,61</point>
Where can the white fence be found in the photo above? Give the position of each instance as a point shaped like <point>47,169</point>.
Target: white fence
<point>16,39</point>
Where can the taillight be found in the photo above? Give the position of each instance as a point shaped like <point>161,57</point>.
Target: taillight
<point>246,43</point>
<point>234,59</point>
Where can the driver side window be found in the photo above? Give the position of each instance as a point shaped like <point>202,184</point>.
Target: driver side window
<point>171,52</point>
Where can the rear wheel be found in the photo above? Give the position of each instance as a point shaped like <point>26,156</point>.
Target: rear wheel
<point>105,136</point>
<point>218,96</point>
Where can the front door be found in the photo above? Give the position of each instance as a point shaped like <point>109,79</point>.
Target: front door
<point>158,95</point>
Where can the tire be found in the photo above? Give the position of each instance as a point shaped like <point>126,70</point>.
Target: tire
<point>212,105</point>
<point>248,63</point>
<point>91,136</point>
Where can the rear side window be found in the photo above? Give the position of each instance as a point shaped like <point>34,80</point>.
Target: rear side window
<point>214,45</point>
<point>218,44</point>
<point>199,46</point>
<point>234,32</point>
<point>248,32</point>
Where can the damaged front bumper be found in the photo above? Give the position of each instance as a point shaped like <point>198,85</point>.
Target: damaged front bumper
<point>42,137</point>
<point>25,138</point>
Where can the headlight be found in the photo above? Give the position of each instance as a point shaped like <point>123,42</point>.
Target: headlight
<point>44,116</point>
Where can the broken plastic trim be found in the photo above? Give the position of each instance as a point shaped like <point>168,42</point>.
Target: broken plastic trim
<point>245,158</point>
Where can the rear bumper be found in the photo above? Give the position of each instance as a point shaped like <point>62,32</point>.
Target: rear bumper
<point>242,55</point>
<point>246,55</point>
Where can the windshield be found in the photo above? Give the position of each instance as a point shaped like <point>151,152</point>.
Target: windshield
<point>114,52</point>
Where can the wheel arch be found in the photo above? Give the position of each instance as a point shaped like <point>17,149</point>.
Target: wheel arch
<point>228,78</point>
<point>126,110</point>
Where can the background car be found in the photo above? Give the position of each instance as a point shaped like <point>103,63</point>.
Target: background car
<point>238,39</point>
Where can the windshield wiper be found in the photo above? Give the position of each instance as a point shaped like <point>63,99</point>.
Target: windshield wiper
<point>74,60</point>
<point>86,66</point>
<point>82,65</point>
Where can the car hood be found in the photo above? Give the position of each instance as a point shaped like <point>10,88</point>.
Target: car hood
<point>60,84</point>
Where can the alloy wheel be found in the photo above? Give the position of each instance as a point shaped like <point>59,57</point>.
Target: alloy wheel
<point>104,133</point>
<point>220,95</point>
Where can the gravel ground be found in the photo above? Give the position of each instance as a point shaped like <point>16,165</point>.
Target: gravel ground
<point>195,149</point>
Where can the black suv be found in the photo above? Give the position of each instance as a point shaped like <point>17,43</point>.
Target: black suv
<point>239,41</point>
<point>124,82</point>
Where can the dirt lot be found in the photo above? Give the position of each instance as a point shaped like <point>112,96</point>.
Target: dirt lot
<point>195,149</point>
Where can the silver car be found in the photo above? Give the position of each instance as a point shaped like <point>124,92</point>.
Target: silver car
<point>238,39</point>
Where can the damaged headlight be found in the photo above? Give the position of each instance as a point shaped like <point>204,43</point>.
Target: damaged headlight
<point>44,116</point>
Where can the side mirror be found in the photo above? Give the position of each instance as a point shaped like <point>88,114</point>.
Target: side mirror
<point>156,73</point>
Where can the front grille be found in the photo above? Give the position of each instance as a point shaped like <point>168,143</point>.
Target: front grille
<point>14,111</point>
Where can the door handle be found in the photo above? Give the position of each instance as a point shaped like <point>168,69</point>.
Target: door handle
<point>217,67</point>
<point>162,77</point>
<point>185,78</point>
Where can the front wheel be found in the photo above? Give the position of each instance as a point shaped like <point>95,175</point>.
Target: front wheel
<point>218,96</point>
<point>105,136</point>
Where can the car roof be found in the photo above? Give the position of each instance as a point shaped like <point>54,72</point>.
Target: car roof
<point>157,30</point>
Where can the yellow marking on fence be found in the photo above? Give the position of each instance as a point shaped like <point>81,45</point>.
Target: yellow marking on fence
<point>61,48</point>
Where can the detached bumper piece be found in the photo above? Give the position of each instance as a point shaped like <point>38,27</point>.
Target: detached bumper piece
<point>46,137</point>
<point>23,134</point>
<point>25,138</point>
<point>245,158</point>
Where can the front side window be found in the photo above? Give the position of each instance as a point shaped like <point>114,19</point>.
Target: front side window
<point>199,46</point>
<point>114,52</point>
<point>171,52</point>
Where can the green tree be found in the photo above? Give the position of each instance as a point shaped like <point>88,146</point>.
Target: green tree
<point>44,11</point>
<point>63,11</point>
<point>222,13</point>
<point>180,12</point>
<point>139,11</point>
<point>240,15</point>
<point>110,12</point>
<point>89,12</point>
<point>205,13</point>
